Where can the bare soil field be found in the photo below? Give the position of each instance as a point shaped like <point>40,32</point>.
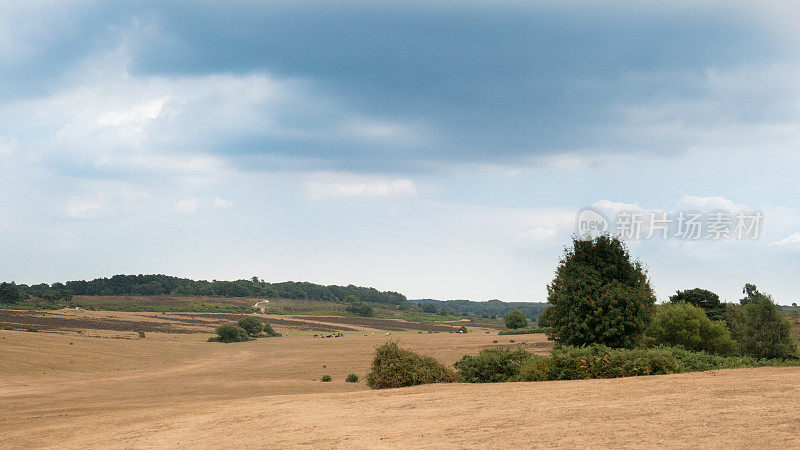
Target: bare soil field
<point>108,388</point>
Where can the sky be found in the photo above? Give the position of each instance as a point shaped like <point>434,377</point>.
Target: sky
<point>439,149</point>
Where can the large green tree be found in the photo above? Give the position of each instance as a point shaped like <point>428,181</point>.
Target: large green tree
<point>760,329</point>
<point>515,319</point>
<point>599,295</point>
<point>702,298</point>
<point>9,293</point>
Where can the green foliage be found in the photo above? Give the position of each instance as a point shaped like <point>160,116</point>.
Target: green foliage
<point>360,309</point>
<point>462,329</point>
<point>352,378</point>
<point>269,332</point>
<point>491,366</point>
<point>326,378</point>
<point>760,329</point>
<point>599,295</point>
<point>515,319</point>
<point>141,335</point>
<point>394,367</point>
<point>526,330</point>
<point>597,361</point>
<point>9,293</point>
<point>253,287</point>
<point>704,299</point>
<point>32,330</point>
<point>686,325</point>
<point>251,325</point>
<point>231,333</point>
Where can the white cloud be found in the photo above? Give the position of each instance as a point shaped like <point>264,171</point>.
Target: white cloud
<point>84,209</point>
<point>361,188</point>
<point>617,207</point>
<point>186,206</point>
<point>790,242</point>
<point>709,203</point>
<point>222,203</point>
<point>539,234</point>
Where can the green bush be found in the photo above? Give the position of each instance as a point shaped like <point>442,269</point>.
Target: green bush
<point>394,367</point>
<point>141,335</point>
<point>231,333</point>
<point>269,332</point>
<point>760,329</point>
<point>526,330</point>
<point>251,325</point>
<point>326,378</point>
<point>463,329</point>
<point>535,368</point>
<point>352,378</point>
<point>491,365</point>
<point>515,319</point>
<point>599,296</point>
<point>597,361</point>
<point>686,325</point>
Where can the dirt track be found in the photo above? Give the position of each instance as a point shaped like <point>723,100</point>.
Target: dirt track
<point>176,390</point>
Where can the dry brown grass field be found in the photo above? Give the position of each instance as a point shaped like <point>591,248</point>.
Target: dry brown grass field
<point>87,380</point>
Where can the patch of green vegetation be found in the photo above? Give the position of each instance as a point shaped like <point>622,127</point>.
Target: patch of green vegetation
<point>526,330</point>
<point>394,367</point>
<point>326,378</point>
<point>352,378</point>
<point>597,361</point>
<point>230,333</point>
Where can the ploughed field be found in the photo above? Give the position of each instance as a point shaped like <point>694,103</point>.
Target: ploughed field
<point>86,379</point>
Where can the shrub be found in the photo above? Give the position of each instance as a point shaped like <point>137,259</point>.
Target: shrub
<point>599,295</point>
<point>702,298</point>
<point>32,330</point>
<point>326,378</point>
<point>251,325</point>
<point>352,378</point>
<point>269,332</point>
<point>394,367</point>
<point>360,309</point>
<point>527,330</point>
<point>686,325</point>
<point>141,335</point>
<point>492,365</point>
<point>231,333</point>
<point>760,329</point>
<point>463,329</point>
<point>535,368</point>
<point>515,319</point>
<point>8,327</point>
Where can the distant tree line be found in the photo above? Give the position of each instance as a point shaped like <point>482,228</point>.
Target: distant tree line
<point>491,308</point>
<point>169,285</point>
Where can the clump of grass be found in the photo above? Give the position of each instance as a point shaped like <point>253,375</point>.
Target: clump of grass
<point>141,335</point>
<point>32,330</point>
<point>326,378</point>
<point>352,378</point>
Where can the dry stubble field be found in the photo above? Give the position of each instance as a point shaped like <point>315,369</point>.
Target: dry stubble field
<point>104,387</point>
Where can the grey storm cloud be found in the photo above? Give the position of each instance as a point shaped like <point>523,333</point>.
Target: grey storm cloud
<point>399,87</point>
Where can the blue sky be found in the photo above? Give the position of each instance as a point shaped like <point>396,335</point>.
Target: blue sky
<point>441,149</point>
